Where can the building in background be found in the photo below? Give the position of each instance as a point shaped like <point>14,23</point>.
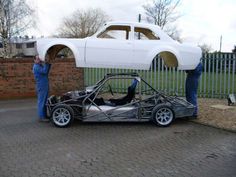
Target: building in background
<point>21,47</point>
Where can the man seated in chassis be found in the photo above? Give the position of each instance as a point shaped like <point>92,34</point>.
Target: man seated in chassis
<point>119,101</point>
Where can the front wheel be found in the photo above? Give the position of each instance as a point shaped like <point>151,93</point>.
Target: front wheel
<point>162,115</point>
<point>62,115</point>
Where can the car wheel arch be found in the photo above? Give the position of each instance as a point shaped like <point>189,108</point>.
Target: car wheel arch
<point>170,57</point>
<point>54,48</point>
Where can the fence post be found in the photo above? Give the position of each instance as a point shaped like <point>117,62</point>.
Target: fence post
<point>233,74</point>
<point>217,80</point>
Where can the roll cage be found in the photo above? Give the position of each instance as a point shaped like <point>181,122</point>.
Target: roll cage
<point>85,105</point>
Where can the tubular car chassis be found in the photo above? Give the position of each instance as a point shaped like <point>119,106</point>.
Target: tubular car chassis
<point>142,103</point>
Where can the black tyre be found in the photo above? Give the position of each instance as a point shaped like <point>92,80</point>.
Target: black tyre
<point>62,115</point>
<point>162,115</point>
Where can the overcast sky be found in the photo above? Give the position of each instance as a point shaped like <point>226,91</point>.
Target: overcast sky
<point>201,21</point>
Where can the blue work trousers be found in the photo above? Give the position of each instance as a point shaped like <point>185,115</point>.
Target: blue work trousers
<point>41,76</point>
<point>191,86</point>
<point>42,94</point>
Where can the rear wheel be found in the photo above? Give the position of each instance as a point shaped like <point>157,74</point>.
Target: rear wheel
<point>62,115</point>
<point>162,115</point>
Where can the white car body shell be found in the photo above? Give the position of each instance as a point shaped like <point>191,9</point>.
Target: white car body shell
<point>97,52</point>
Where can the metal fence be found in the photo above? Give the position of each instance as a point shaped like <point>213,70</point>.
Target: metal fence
<point>217,80</point>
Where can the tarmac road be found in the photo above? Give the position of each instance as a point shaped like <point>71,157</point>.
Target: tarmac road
<point>32,148</point>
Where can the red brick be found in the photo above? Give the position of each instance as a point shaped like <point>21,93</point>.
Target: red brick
<point>17,80</point>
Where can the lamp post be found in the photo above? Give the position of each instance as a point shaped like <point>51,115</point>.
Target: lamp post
<point>139,20</point>
<point>220,42</point>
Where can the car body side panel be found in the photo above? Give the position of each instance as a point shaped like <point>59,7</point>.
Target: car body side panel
<point>190,56</point>
<point>109,53</point>
<point>164,48</point>
<point>187,57</point>
<point>146,51</point>
<point>128,54</point>
<point>77,46</point>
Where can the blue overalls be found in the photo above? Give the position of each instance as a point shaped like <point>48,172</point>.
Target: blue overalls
<point>191,86</point>
<point>134,84</point>
<point>41,77</point>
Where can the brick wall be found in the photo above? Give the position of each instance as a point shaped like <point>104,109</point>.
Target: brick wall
<point>17,80</point>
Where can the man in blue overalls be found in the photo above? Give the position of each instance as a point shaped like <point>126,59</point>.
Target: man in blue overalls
<point>191,86</point>
<point>41,71</point>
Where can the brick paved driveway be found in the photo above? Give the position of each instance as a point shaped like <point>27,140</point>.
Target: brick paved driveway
<point>30,148</point>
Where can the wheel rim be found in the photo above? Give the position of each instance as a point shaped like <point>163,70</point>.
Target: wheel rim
<point>61,116</point>
<point>164,116</point>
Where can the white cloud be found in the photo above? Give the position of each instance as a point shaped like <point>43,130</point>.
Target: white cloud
<point>207,20</point>
<point>51,12</point>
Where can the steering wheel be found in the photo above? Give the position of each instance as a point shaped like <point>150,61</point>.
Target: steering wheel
<point>110,89</point>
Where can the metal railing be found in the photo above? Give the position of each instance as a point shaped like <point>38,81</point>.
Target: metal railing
<point>217,80</point>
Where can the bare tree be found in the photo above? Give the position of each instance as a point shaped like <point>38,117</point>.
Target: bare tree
<point>173,32</point>
<point>162,13</point>
<point>82,23</point>
<point>234,49</point>
<point>206,48</point>
<point>15,17</point>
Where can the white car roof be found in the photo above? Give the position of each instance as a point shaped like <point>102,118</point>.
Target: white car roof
<point>132,23</point>
<point>156,28</point>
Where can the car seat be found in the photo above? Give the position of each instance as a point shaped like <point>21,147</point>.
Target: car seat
<point>128,98</point>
